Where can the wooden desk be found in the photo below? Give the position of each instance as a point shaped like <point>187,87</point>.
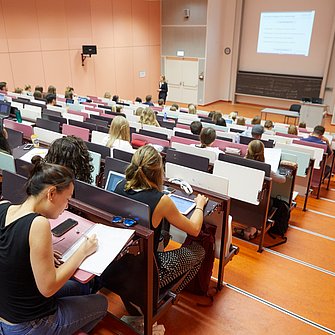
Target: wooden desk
<point>287,114</point>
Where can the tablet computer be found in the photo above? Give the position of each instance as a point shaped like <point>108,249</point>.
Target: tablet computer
<point>184,205</point>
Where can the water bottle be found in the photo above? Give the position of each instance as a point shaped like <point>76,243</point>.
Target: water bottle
<point>165,116</point>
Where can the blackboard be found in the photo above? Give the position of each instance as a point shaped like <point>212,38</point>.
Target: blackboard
<point>277,85</point>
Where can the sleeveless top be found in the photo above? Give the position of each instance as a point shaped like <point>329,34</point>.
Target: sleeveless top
<point>20,299</point>
<point>151,198</point>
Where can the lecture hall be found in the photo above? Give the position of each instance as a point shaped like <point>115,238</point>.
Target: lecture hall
<point>167,167</point>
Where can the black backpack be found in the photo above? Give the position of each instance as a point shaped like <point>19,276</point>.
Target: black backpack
<point>200,283</point>
<point>281,219</point>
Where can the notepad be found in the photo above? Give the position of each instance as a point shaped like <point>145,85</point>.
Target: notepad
<point>33,152</point>
<point>110,242</point>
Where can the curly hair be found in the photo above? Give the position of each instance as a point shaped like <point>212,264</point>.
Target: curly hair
<point>72,152</point>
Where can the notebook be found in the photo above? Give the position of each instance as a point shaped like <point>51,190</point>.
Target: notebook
<point>111,241</point>
<point>112,180</point>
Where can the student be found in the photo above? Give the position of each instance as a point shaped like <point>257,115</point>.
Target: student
<point>216,116</point>
<point>36,296</point>
<point>119,135</point>
<point>163,89</point>
<point>144,183</point>
<point>256,120</point>
<point>192,109</point>
<point>4,145</point>
<point>51,90</point>
<point>221,122</point>
<point>139,111</point>
<point>51,99</point>
<point>148,117</point>
<point>18,90</point>
<point>3,87</point>
<point>256,132</point>
<point>138,100</point>
<point>293,130</point>
<point>161,102</point>
<point>317,137</point>
<point>268,127</point>
<point>116,98</point>
<point>107,95</point>
<point>72,152</point>
<point>148,101</point>
<point>256,152</point>
<point>240,121</point>
<point>38,95</point>
<point>233,116</point>
<point>196,127</point>
<point>39,88</point>
<point>207,138</point>
<point>27,90</point>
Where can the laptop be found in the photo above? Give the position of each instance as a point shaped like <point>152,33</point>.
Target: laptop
<point>112,180</point>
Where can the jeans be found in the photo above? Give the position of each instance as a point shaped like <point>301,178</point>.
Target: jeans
<point>74,312</point>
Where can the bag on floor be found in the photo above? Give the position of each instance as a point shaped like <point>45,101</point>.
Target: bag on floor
<point>281,219</point>
<point>200,283</point>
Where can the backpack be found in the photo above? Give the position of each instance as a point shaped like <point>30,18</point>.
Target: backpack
<point>200,283</point>
<point>281,219</point>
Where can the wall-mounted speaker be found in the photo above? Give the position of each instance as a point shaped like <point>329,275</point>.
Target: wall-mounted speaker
<point>186,13</point>
<point>89,50</point>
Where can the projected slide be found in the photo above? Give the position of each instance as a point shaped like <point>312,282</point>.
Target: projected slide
<point>285,33</point>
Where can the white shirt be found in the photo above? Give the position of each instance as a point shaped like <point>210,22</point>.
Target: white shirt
<point>119,144</point>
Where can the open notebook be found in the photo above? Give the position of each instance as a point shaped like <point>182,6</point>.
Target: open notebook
<point>110,242</point>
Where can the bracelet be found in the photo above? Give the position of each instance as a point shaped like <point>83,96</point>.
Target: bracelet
<point>199,208</point>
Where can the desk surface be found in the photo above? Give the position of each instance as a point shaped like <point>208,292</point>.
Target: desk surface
<point>280,112</point>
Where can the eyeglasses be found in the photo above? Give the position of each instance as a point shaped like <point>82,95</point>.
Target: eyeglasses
<point>128,222</point>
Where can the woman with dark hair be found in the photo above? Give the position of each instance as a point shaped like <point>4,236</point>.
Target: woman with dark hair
<point>72,152</point>
<point>144,183</point>
<point>207,138</point>
<point>36,296</point>
<point>4,145</point>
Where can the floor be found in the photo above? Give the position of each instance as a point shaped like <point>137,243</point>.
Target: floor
<point>289,289</point>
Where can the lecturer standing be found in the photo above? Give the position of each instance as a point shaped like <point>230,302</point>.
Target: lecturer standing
<point>163,89</point>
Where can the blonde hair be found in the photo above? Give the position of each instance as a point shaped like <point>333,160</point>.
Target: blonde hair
<point>145,170</point>
<point>240,121</point>
<point>148,116</point>
<point>107,95</point>
<point>119,130</point>
<point>256,151</point>
<point>139,111</point>
<point>256,120</point>
<point>293,130</point>
<point>192,109</point>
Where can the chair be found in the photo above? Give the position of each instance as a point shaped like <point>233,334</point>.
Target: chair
<point>15,138</point>
<point>7,162</point>
<point>114,164</point>
<point>24,128</point>
<point>23,168</point>
<point>48,124</point>
<point>96,160</point>
<point>187,160</point>
<point>82,133</point>
<point>47,136</point>
<point>295,108</point>
<point>101,149</point>
<point>98,137</point>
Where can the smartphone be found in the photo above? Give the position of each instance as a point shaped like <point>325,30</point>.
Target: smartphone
<point>63,227</point>
<point>168,190</point>
<point>28,146</point>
